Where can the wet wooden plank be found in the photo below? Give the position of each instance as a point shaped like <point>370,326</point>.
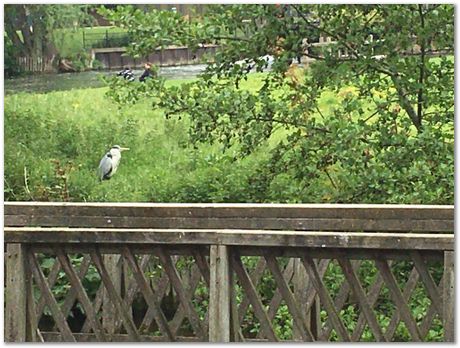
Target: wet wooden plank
<point>330,253</point>
<point>232,237</point>
<point>372,296</point>
<point>327,211</point>
<point>277,298</point>
<point>235,328</point>
<point>277,223</point>
<point>339,302</point>
<point>97,304</point>
<point>131,287</point>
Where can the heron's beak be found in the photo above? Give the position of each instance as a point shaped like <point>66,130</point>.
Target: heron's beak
<point>124,148</point>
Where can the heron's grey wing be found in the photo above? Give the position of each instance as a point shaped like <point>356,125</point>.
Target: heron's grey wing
<point>105,166</point>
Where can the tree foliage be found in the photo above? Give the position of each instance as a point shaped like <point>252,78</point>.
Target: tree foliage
<point>31,28</point>
<point>388,137</point>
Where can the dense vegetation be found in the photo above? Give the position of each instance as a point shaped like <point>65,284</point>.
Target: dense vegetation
<point>342,130</point>
<point>387,139</point>
<point>42,164</point>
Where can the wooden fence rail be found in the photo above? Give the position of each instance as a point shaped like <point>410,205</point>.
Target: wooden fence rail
<point>228,272</point>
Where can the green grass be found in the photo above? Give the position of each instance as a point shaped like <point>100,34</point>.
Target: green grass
<point>77,127</point>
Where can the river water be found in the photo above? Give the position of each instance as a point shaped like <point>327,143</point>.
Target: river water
<point>42,83</point>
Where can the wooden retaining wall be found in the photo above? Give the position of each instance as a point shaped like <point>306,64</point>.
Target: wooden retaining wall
<point>116,58</point>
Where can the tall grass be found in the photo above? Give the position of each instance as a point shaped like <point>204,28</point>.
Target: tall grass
<point>54,141</point>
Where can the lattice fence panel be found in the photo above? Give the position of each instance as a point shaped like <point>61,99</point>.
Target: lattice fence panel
<point>378,299</point>
<point>161,296</point>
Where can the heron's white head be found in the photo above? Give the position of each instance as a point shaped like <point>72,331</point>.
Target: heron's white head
<point>119,148</point>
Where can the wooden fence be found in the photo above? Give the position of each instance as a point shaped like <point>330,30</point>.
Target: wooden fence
<point>35,64</point>
<point>188,265</point>
<point>116,57</point>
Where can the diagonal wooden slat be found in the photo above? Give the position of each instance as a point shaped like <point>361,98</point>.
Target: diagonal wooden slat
<point>97,304</point>
<point>159,292</point>
<point>430,314</point>
<point>255,276</point>
<point>132,287</point>
<point>251,292</point>
<point>184,297</point>
<point>148,293</point>
<point>299,319</point>
<point>52,278</point>
<point>398,298</point>
<point>372,296</point>
<point>81,294</point>
<point>410,286</point>
<point>200,269</point>
<point>235,328</point>
<point>72,294</point>
<point>311,291</point>
<point>59,318</point>
<point>114,296</point>
<point>32,317</point>
<point>203,266</point>
<point>428,282</point>
<point>190,286</point>
<point>277,298</point>
<point>339,302</point>
<point>325,298</point>
<point>355,285</point>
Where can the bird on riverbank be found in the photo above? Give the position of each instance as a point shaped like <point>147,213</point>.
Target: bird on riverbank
<point>109,163</point>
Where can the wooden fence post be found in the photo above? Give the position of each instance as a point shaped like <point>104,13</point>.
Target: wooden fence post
<point>15,294</point>
<point>219,294</point>
<point>449,297</point>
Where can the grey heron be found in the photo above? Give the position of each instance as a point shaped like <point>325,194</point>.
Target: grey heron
<point>109,163</point>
